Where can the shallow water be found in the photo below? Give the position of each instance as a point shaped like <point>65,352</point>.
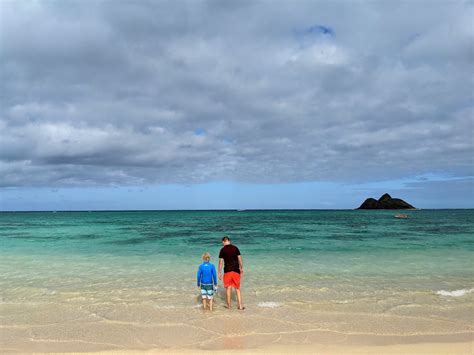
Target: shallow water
<point>342,271</point>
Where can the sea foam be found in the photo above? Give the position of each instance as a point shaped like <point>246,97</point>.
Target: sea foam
<point>269,304</point>
<point>455,293</point>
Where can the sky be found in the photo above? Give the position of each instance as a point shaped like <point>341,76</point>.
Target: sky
<point>235,104</point>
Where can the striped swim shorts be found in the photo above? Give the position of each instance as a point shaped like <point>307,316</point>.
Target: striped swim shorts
<point>207,291</point>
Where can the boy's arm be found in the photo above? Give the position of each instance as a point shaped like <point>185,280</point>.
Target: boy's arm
<point>241,264</point>
<point>219,268</point>
<point>199,277</point>
<point>214,276</point>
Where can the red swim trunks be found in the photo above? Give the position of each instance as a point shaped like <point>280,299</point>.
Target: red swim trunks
<point>232,279</point>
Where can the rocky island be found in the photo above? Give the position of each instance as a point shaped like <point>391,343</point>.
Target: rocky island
<point>386,202</point>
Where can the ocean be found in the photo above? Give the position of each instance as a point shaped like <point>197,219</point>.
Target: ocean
<point>126,279</point>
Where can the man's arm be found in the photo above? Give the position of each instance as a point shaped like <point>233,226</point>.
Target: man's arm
<point>219,268</point>
<point>241,264</point>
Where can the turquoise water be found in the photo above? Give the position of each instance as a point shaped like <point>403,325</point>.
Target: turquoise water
<point>433,248</point>
<point>344,263</point>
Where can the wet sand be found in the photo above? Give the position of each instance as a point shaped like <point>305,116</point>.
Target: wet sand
<point>419,348</point>
<point>459,348</point>
<point>141,328</point>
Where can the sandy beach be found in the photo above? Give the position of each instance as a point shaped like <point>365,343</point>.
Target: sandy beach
<point>133,329</point>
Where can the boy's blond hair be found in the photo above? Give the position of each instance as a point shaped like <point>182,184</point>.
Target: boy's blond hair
<point>206,256</point>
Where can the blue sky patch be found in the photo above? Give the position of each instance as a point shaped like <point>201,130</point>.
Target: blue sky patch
<point>200,132</point>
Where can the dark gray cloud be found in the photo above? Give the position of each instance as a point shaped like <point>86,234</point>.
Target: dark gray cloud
<point>112,93</point>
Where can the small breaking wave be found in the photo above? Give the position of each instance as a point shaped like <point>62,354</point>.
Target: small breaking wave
<point>164,307</point>
<point>455,293</point>
<point>269,304</point>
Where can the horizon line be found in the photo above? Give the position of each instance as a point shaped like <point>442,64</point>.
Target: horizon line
<point>235,210</point>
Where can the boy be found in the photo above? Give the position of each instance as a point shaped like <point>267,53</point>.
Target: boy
<point>207,280</point>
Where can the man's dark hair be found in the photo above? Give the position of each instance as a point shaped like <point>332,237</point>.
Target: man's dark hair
<point>225,238</point>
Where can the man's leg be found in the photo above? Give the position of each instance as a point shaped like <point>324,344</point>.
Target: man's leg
<point>228,296</point>
<point>210,304</point>
<point>239,298</point>
<point>204,303</point>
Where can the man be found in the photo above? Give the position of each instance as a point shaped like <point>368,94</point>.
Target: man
<point>233,270</point>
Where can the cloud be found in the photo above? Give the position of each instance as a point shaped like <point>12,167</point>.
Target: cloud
<point>177,92</point>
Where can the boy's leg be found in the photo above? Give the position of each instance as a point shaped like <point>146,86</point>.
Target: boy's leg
<point>204,303</point>
<point>210,296</point>
<point>228,296</point>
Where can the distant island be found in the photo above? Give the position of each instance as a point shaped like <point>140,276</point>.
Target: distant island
<point>386,202</point>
